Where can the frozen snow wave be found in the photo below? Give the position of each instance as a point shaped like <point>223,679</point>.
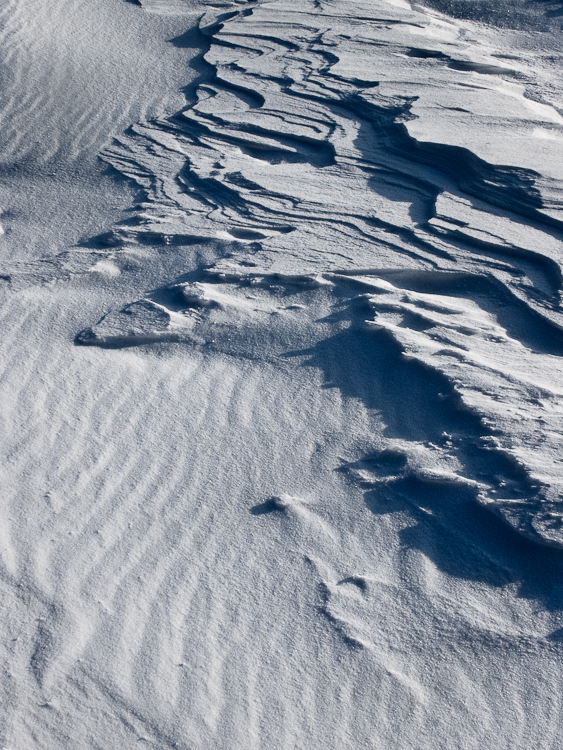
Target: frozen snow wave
<point>261,514</point>
<point>483,411</point>
<point>308,140</point>
<point>309,149</point>
<point>266,512</point>
<point>515,391</point>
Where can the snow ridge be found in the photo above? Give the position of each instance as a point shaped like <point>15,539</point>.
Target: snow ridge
<point>304,154</point>
<point>288,490</point>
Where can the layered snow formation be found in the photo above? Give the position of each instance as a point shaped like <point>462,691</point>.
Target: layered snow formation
<point>283,438</point>
<point>375,138</point>
<point>72,77</point>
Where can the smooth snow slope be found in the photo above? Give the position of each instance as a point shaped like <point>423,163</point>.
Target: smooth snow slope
<point>255,426</point>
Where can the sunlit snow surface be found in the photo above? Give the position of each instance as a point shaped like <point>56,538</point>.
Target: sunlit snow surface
<point>348,136</point>
<point>283,443</point>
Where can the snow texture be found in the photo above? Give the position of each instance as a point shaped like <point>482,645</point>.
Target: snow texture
<point>290,152</point>
<point>281,383</point>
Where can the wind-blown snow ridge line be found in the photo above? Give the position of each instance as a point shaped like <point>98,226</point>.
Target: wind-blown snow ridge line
<point>494,427</point>
<point>323,154</point>
<point>304,154</point>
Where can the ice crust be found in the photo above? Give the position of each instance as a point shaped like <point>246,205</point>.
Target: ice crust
<point>282,440</point>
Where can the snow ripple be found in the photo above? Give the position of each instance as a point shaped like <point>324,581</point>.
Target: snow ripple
<point>308,151</point>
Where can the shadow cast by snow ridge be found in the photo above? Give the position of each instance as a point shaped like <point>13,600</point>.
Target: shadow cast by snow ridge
<point>419,406</point>
<point>465,540</point>
<point>416,402</point>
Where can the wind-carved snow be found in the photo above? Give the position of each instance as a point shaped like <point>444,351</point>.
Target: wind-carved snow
<point>270,500</point>
<point>507,455</point>
<point>309,151</point>
<point>516,391</point>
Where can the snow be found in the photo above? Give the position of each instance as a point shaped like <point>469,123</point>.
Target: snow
<point>281,374</point>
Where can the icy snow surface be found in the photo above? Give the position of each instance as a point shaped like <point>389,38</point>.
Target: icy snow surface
<point>282,410</point>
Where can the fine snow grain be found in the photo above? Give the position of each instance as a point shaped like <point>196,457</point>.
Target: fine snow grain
<point>281,411</point>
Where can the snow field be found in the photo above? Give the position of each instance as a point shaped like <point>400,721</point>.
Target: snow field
<point>280,413</point>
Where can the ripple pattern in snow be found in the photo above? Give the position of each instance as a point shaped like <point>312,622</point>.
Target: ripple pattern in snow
<point>309,151</point>
<point>254,434</point>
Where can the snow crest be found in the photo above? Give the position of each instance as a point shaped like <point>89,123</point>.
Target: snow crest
<point>281,461</point>
<point>307,151</point>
